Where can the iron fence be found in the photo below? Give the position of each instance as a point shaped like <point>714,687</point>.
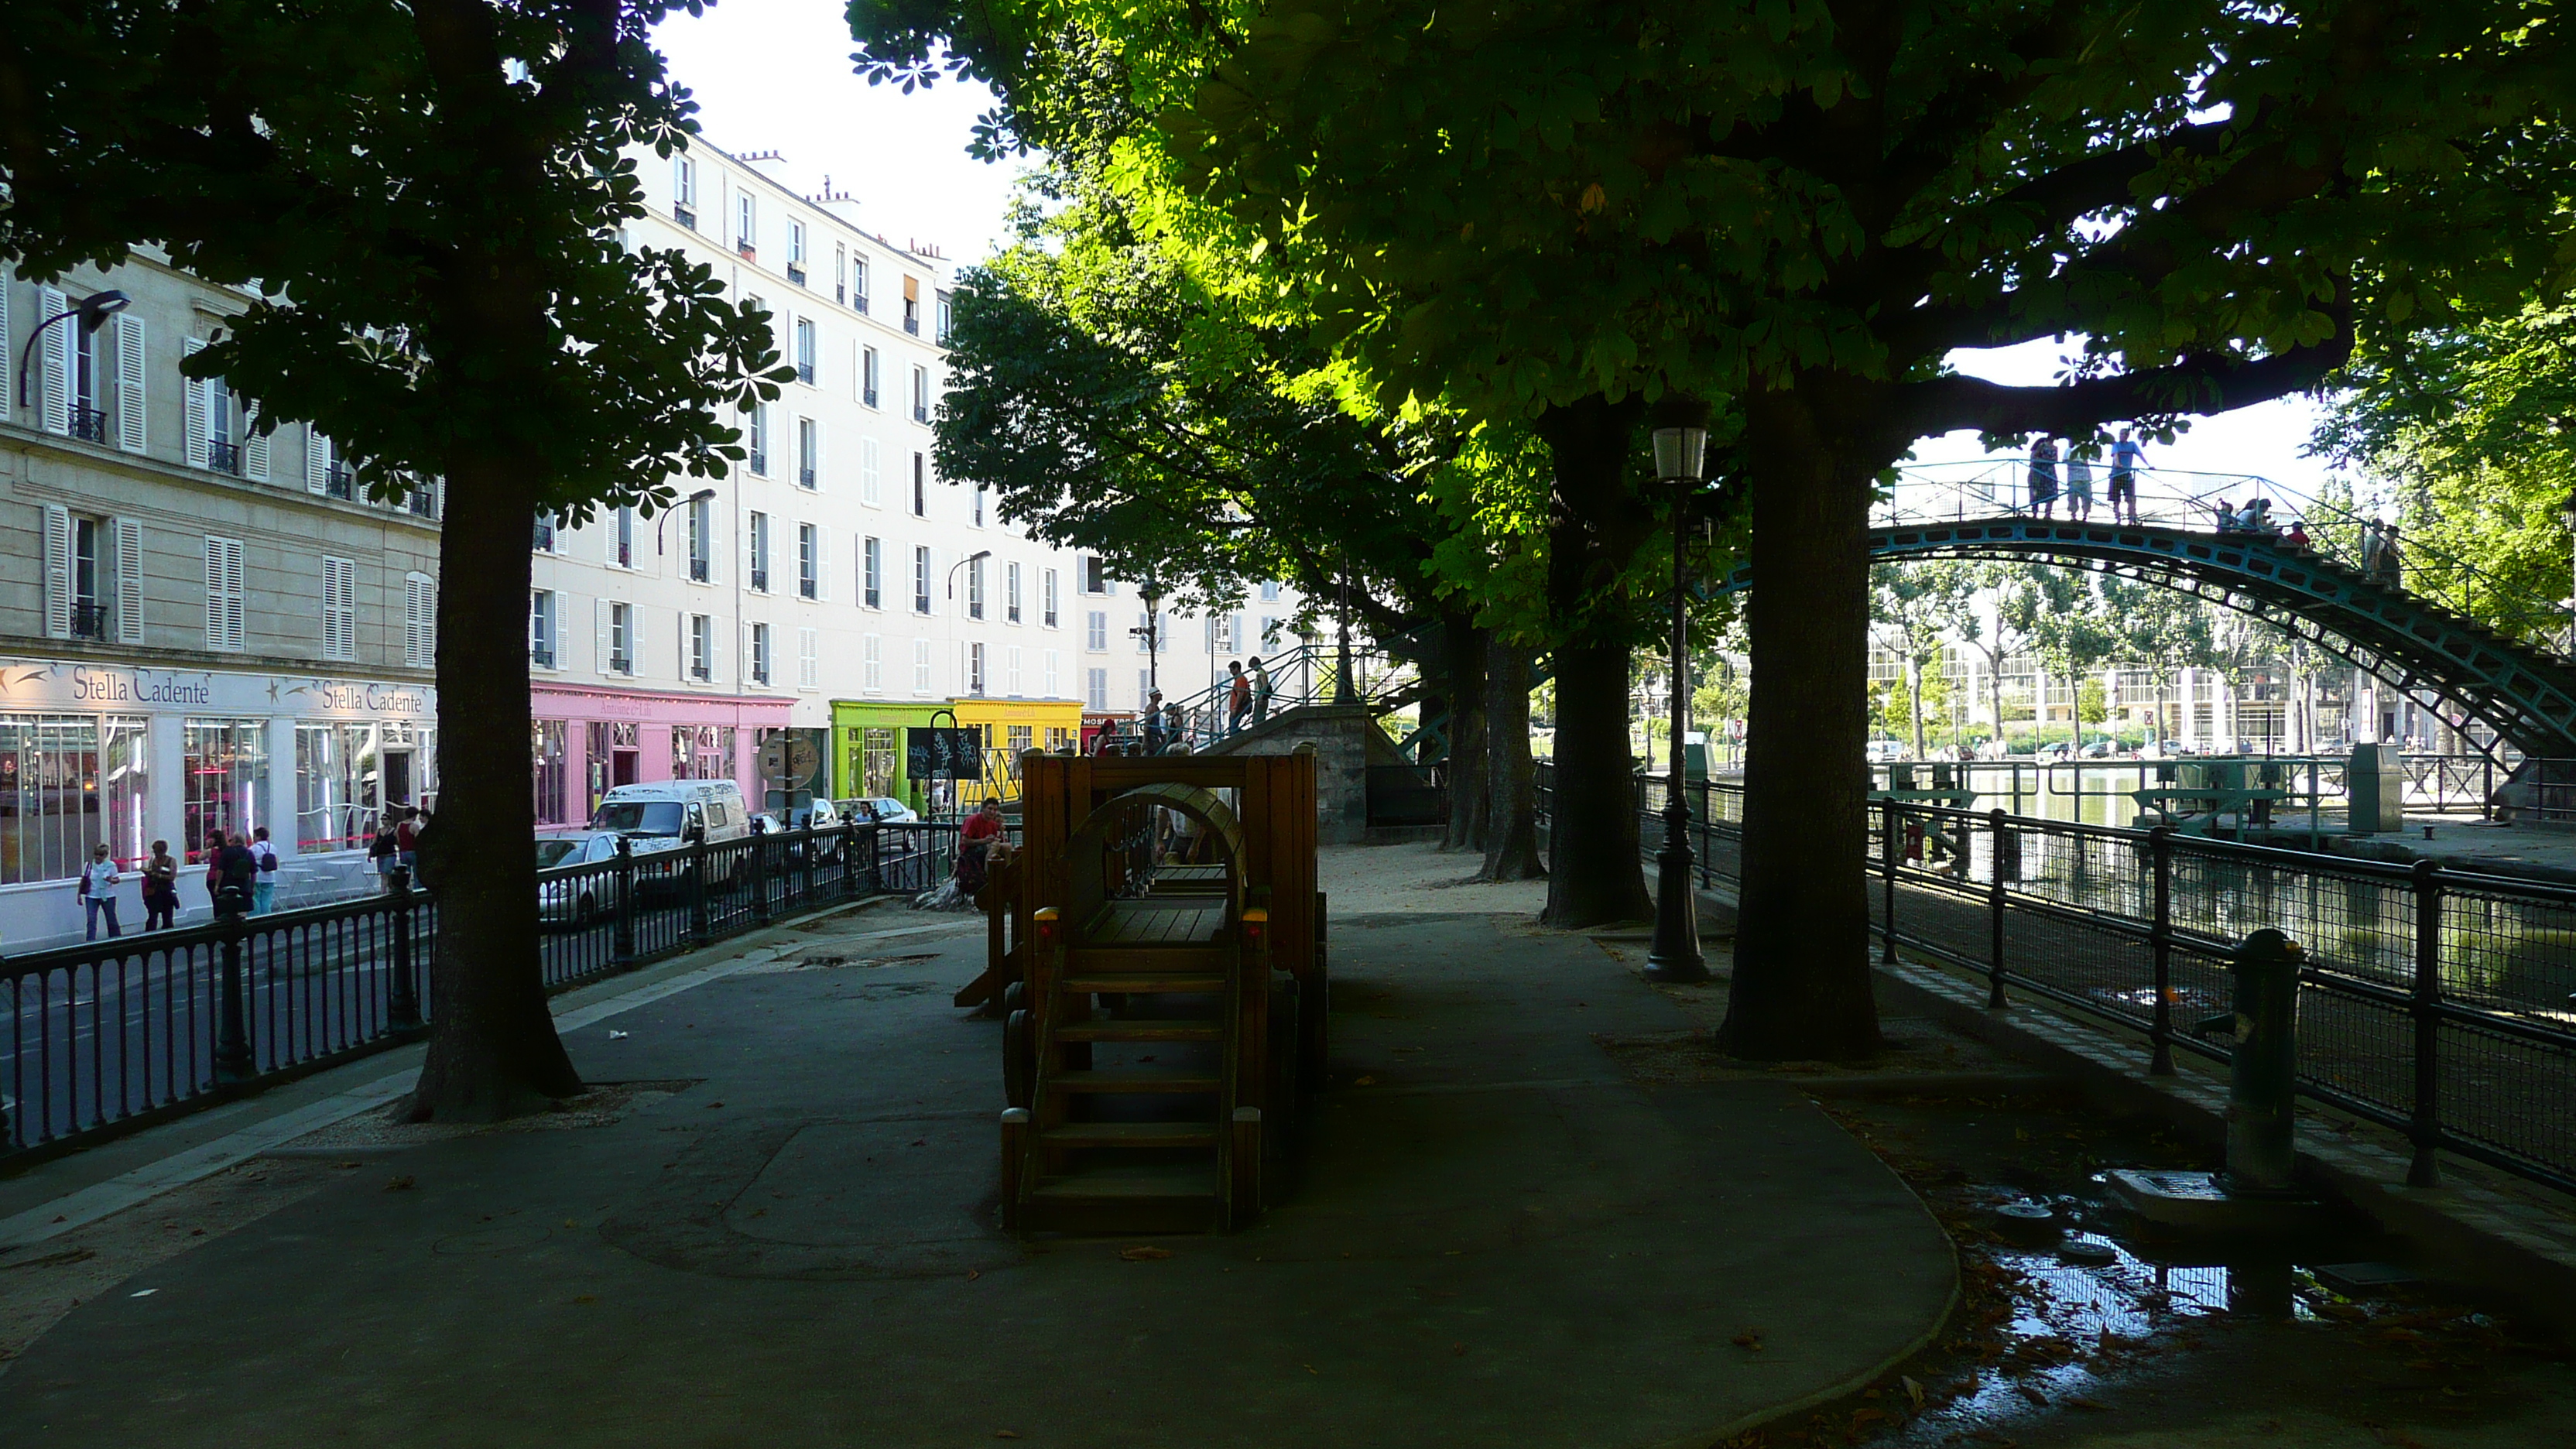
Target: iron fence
<point>2436,1002</point>
<point>117,1033</point>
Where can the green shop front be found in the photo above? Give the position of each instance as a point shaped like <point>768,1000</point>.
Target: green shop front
<point>867,747</point>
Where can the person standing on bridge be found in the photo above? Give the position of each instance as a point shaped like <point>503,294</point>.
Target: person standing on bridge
<point>1260,692</point>
<point>2079,485</point>
<point>2043,478</point>
<point>2127,457</point>
<point>2392,564</point>
<point>1238,697</point>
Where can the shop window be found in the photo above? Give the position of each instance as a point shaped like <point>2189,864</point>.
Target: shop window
<point>336,807</point>
<point>225,762</point>
<point>546,746</point>
<point>68,782</point>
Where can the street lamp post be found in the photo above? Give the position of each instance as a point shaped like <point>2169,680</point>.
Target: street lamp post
<point>93,312</point>
<point>701,496</point>
<point>1674,953</point>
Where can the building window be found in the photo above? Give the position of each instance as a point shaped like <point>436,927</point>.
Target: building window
<point>979,505</point>
<point>88,420</point>
<point>702,752</point>
<point>339,608</point>
<point>621,638</point>
<point>1095,693</point>
<point>760,653</point>
<point>1011,593</point>
<point>805,351</point>
<point>746,224</point>
<point>1270,593</point>
<point>224,616</point>
<point>868,472</point>
<point>756,437</point>
<point>1011,673</point>
<point>1095,634</point>
<point>546,744</point>
<point>796,255</point>
<point>1046,599</point>
<point>621,537</point>
<point>225,765</point>
<point>872,653</point>
<point>1269,633</point>
<point>920,486</point>
<point>941,336</point>
<point>808,566</point>
<point>1053,658</point>
<point>420,621</point>
<point>809,454</point>
<point>1144,687</point>
<point>809,661</point>
<point>841,273</point>
<point>760,553</point>
<point>541,628</point>
<point>684,192</point>
<point>335,787</point>
<point>702,648</point>
<point>912,305</point>
<point>921,580</point>
<point>921,667</point>
<point>921,394</point>
<point>547,531</point>
<point>975,670</point>
<point>1095,578</point>
<point>872,573</point>
<point>1148,632</point>
<point>88,614</point>
<point>975,589</point>
<point>867,370</point>
<point>71,782</point>
<point>859,286</point>
<point>701,530</point>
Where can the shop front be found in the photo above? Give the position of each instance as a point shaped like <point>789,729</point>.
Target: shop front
<point>867,748</point>
<point>1012,728</point>
<point>585,742</point>
<point>126,755</point>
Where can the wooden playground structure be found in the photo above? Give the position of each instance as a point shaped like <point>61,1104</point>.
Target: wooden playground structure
<point>1156,952</point>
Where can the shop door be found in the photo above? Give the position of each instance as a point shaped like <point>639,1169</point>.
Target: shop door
<point>397,777</point>
<point>622,767</point>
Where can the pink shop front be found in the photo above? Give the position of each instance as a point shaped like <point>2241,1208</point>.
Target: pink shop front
<point>589,740</point>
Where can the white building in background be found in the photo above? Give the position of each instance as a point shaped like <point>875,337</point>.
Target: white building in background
<point>833,565</point>
<point>200,628</point>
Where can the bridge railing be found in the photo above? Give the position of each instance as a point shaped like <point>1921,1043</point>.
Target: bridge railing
<point>1303,675</point>
<point>2434,1002</point>
<point>2433,784</point>
<point>2002,485</point>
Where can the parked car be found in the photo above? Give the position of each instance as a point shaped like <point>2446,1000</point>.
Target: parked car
<point>2101,747</point>
<point>678,812</point>
<point>1884,752</point>
<point>864,808</point>
<point>578,900</point>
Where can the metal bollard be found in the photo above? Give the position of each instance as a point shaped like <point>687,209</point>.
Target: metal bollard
<point>2262,1088</point>
<point>232,1036</point>
<point>621,945</point>
<point>402,996</point>
<point>698,932</point>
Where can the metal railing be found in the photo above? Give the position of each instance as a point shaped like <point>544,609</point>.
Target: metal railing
<point>2434,1002</point>
<point>2431,784</point>
<point>1301,675</point>
<point>119,1033</point>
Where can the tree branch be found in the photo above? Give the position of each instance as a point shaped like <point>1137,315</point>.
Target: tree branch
<point>2208,386</point>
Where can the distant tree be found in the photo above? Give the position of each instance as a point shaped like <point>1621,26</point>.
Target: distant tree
<point>425,200</point>
<point>1916,606</point>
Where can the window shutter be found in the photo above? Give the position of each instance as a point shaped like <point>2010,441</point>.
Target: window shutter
<point>742,641</point>
<point>868,471</point>
<point>823,565</point>
<point>224,621</point>
<point>317,461</point>
<point>131,433</point>
<point>58,572</point>
<point>599,626</point>
<point>197,421</point>
<point>339,609</point>
<point>129,581</point>
<point>8,284</point>
<point>57,401</point>
<point>254,447</point>
<point>715,654</point>
<point>420,622</point>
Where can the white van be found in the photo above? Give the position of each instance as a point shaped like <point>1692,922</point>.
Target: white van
<point>681,810</point>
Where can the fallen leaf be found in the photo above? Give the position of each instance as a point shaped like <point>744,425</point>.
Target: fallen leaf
<point>2095,1405</point>
<point>399,1184</point>
<point>1459,1349</point>
<point>1863,1416</point>
<point>570,1223</point>
<point>1365,1082</point>
<point>1144,1253</point>
<point>1310,1368</point>
<point>1913,1390</point>
<point>974,1273</point>
<point>1006,1433</point>
<point>1750,1338</point>
<point>586,1298</point>
<point>711,1106</point>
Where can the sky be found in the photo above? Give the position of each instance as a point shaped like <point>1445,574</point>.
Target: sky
<point>775,75</point>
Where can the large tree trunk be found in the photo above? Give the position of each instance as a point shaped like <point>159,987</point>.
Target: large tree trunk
<point>493,1051</point>
<point>1995,696</point>
<point>1595,874</point>
<point>1802,945</point>
<point>1511,776</point>
<point>1914,701</point>
<point>1462,647</point>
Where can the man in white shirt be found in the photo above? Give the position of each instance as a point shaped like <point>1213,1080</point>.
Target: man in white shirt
<point>263,886</point>
<point>98,891</point>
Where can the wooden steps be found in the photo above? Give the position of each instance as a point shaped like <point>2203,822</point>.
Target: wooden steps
<point>1154,1135</point>
<point>1133,1079</point>
<point>1111,1029</point>
<point>1144,983</point>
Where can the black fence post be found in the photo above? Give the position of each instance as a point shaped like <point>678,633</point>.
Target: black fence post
<point>1890,847</point>
<point>698,933</point>
<point>232,1037</point>
<point>811,845</point>
<point>2004,846</point>
<point>621,941</point>
<point>2160,948</point>
<point>402,994</point>
<point>849,857</point>
<point>2426,1126</point>
<point>760,874</point>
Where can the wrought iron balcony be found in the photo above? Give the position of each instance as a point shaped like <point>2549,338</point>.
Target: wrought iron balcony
<point>841,293</point>
<point>760,581</point>
<point>796,274</point>
<point>684,216</point>
<point>869,396</point>
<point>89,424</point>
<point>805,373</point>
<point>749,252</point>
<point>921,412</point>
<point>698,570</point>
<point>223,457</point>
<point>339,482</point>
<point>859,303</point>
<point>912,325</point>
<point>805,586</point>
<point>804,477</point>
<point>542,655</point>
<point>89,621</point>
<point>759,462</point>
<point>620,664</point>
<point>700,672</point>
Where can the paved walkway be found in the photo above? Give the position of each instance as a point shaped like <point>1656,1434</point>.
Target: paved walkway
<point>782,1233</point>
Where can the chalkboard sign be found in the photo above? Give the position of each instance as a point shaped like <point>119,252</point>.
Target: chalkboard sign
<point>933,753</point>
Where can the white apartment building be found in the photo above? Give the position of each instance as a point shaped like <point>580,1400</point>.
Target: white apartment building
<point>833,587</point>
<point>200,628</point>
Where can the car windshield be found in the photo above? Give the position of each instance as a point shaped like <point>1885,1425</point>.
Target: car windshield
<point>556,852</point>
<point>639,817</point>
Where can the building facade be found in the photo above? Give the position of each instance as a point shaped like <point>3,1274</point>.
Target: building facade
<point>832,583</point>
<point>201,628</point>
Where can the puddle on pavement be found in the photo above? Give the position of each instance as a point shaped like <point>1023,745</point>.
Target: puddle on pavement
<point>2081,1325</point>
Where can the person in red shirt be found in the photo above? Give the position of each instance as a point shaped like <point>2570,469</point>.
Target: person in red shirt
<point>1238,698</point>
<point>975,842</point>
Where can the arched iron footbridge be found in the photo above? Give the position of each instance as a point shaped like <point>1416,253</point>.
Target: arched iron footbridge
<point>2402,633</point>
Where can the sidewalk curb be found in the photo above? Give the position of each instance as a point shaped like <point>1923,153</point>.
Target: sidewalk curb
<point>2517,1250</point>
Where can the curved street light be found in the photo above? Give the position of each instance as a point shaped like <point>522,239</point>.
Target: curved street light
<point>93,312</point>
<point>1680,457</point>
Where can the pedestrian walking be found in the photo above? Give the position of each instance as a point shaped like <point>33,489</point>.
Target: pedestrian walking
<point>1260,693</point>
<point>2392,562</point>
<point>263,888</point>
<point>230,878</point>
<point>2043,478</point>
<point>98,891</point>
<point>1238,697</point>
<point>2226,512</point>
<point>2079,485</point>
<point>160,888</point>
<point>2371,543</point>
<point>1175,733</point>
<point>407,840</point>
<point>1154,722</point>
<point>2127,457</point>
<point>381,853</point>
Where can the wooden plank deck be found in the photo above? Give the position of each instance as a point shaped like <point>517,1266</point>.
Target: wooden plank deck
<point>1157,922</point>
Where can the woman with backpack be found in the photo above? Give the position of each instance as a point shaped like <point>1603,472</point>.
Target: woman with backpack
<point>231,877</point>
<point>263,890</point>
